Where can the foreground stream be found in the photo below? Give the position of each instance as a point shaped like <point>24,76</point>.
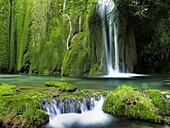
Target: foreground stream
<point>92,118</point>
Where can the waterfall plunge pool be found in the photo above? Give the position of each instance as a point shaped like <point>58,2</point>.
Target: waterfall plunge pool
<point>88,118</point>
<point>155,81</point>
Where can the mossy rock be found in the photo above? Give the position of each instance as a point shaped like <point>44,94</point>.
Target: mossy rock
<point>126,101</point>
<point>21,108</point>
<point>5,89</point>
<point>84,94</point>
<point>62,86</point>
<point>160,101</point>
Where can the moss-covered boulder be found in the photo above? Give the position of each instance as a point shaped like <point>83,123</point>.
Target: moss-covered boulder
<point>62,86</point>
<point>21,108</point>
<point>126,101</point>
<point>161,102</point>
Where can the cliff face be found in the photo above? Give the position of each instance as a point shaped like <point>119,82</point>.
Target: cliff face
<point>57,37</point>
<point>60,37</point>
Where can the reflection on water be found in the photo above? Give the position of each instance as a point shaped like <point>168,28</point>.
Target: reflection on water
<point>160,82</point>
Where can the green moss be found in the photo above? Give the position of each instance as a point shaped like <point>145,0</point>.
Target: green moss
<point>5,89</point>
<point>159,101</point>
<point>62,86</point>
<point>4,41</point>
<point>23,31</point>
<point>71,61</point>
<point>40,28</point>
<point>126,101</point>
<point>88,93</point>
<point>21,107</point>
<point>93,70</point>
<point>37,116</point>
<point>51,46</point>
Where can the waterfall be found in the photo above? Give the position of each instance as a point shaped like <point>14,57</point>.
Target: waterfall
<point>70,24</point>
<point>107,12</point>
<point>69,35</point>
<point>116,50</point>
<point>68,112</point>
<point>64,6</point>
<point>80,24</point>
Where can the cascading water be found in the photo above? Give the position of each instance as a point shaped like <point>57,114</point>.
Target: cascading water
<point>80,24</point>
<point>69,112</point>
<point>69,20</point>
<point>108,13</point>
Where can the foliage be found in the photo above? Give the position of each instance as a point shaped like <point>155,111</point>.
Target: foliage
<point>150,20</point>
<point>34,35</point>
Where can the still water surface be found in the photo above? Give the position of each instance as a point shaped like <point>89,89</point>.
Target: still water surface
<point>156,81</point>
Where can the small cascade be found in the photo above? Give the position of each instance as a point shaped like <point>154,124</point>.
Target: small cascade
<point>68,112</point>
<point>58,106</point>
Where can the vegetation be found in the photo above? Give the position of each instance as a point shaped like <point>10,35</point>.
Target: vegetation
<point>20,107</point>
<point>62,86</point>
<point>158,100</point>
<point>129,102</point>
<point>150,20</point>
<point>40,28</point>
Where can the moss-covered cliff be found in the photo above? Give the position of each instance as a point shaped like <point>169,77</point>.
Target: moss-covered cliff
<point>35,35</point>
<point>4,51</point>
<point>57,37</point>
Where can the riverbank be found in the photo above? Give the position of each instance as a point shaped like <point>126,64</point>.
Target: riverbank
<point>22,106</point>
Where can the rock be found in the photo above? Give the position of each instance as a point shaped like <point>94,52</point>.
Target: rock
<point>128,102</point>
<point>62,86</point>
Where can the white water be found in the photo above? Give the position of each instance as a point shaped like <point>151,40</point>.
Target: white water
<point>80,24</point>
<point>116,50</point>
<point>64,6</point>
<point>70,24</point>
<point>108,14</point>
<point>92,116</point>
<point>106,10</point>
<point>69,35</point>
